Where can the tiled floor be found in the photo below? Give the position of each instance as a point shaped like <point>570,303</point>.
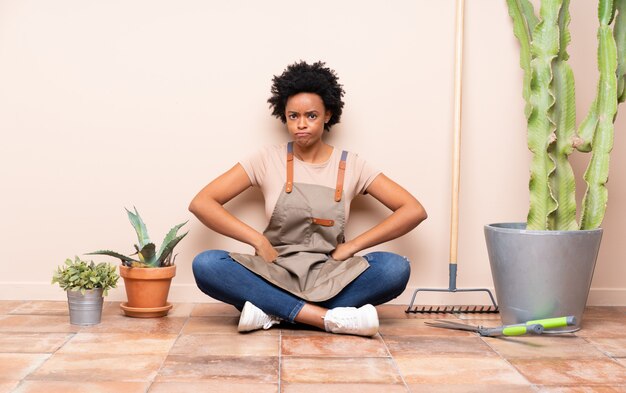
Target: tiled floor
<point>197,349</point>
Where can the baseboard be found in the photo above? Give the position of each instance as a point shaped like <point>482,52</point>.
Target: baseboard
<point>189,293</point>
<point>607,297</point>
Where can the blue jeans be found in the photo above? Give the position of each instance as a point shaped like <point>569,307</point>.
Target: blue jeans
<point>224,279</point>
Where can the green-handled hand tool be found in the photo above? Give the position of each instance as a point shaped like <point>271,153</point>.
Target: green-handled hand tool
<point>531,327</point>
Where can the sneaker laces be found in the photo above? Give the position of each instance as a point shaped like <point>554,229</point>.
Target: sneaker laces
<point>271,321</point>
<point>346,321</point>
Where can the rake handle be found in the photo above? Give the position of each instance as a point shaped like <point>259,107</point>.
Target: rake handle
<point>456,156</point>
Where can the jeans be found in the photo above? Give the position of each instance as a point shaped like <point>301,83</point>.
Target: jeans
<point>224,279</point>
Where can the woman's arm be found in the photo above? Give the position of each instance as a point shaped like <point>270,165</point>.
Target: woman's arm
<point>407,214</point>
<point>207,206</point>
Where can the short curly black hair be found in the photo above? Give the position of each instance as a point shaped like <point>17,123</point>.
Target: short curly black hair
<point>301,77</point>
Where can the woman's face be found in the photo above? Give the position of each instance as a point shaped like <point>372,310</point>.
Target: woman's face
<point>306,116</point>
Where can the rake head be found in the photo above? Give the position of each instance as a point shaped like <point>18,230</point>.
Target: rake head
<point>453,309</point>
<point>490,309</point>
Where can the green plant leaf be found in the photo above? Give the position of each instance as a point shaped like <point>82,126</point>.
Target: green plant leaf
<point>169,237</point>
<point>147,255</point>
<point>80,275</point>
<point>114,254</point>
<point>169,248</point>
<point>140,227</point>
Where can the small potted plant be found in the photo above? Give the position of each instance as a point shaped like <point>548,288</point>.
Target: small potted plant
<point>147,273</point>
<point>86,284</point>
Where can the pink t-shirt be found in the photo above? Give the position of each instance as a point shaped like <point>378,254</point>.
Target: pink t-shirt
<point>267,169</point>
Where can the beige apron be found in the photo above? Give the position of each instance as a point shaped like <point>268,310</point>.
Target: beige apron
<point>306,225</point>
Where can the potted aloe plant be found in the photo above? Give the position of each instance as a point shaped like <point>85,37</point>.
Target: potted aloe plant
<point>147,273</point>
<point>86,284</point>
<point>543,268</point>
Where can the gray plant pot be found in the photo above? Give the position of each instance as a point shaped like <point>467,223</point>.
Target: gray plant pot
<point>85,309</point>
<point>541,274</point>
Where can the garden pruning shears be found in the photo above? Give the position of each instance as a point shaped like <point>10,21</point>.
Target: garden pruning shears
<point>531,327</point>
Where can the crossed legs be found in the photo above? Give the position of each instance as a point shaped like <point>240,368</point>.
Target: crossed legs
<point>222,278</point>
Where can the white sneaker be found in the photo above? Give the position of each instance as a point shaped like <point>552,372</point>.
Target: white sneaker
<point>361,321</point>
<point>253,318</point>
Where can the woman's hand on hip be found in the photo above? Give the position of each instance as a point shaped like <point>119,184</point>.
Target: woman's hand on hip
<point>343,251</point>
<point>266,251</point>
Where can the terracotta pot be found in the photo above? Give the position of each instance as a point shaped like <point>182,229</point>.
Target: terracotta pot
<point>147,288</point>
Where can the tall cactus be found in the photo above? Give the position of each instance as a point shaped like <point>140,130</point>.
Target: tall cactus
<point>548,89</point>
<point>619,32</point>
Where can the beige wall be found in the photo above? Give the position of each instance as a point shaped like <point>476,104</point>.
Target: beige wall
<point>106,104</point>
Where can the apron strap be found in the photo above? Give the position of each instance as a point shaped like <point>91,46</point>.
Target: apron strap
<point>340,175</point>
<point>289,185</point>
